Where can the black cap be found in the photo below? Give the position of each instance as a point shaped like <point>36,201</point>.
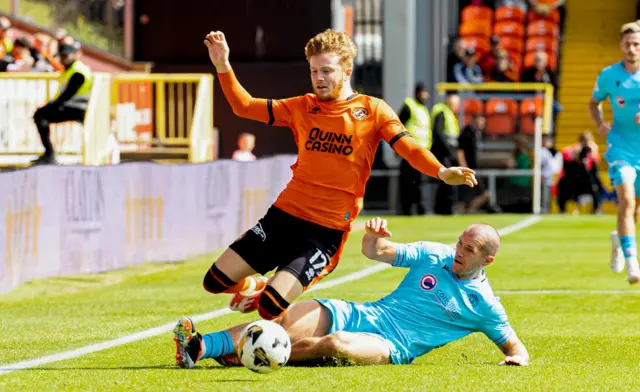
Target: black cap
<point>470,51</point>
<point>69,49</point>
<point>420,87</point>
<point>495,40</point>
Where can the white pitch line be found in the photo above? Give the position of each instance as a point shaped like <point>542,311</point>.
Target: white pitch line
<point>216,313</point>
<point>568,292</point>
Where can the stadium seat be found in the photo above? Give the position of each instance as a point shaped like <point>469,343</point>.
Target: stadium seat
<point>542,28</point>
<point>509,29</point>
<point>516,60</point>
<point>530,108</point>
<point>475,28</point>
<point>547,44</point>
<point>508,13</point>
<point>512,44</point>
<point>501,116</point>
<point>553,17</point>
<point>471,106</point>
<point>476,12</point>
<point>553,60</point>
<point>481,45</point>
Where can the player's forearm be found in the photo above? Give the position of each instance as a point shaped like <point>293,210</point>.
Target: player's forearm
<point>373,247</point>
<point>595,111</point>
<point>418,157</point>
<point>515,348</point>
<point>241,102</point>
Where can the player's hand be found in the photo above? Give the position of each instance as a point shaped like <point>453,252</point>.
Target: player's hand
<point>458,176</point>
<point>218,50</point>
<point>604,128</point>
<point>377,227</point>
<point>515,360</point>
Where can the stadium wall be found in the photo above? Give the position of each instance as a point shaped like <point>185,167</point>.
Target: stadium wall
<point>67,220</point>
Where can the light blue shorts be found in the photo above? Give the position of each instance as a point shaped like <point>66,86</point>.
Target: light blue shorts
<point>360,318</point>
<point>621,171</point>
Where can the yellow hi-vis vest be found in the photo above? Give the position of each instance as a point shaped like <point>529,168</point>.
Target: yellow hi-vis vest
<point>82,95</point>
<point>451,127</point>
<point>8,46</point>
<point>419,123</point>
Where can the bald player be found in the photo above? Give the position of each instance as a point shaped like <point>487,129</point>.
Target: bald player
<point>444,297</point>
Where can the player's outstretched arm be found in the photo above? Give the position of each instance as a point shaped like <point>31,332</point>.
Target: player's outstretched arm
<point>515,352</point>
<point>242,103</point>
<point>424,161</point>
<point>374,244</point>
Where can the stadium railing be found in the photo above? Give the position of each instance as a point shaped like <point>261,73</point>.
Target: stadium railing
<point>168,113</point>
<point>510,109</point>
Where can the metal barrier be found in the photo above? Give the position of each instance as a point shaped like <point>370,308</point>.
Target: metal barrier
<point>20,95</point>
<point>172,112</point>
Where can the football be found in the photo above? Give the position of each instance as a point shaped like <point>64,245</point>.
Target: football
<point>264,347</point>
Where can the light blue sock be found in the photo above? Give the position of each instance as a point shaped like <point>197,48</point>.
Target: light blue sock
<point>217,344</point>
<point>629,246</point>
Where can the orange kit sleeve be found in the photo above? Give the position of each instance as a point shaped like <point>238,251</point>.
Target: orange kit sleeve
<point>402,142</point>
<point>277,112</point>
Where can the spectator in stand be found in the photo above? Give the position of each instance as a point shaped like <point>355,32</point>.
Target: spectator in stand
<point>488,61</point>
<point>22,58</point>
<point>540,72</point>
<point>467,71</point>
<point>550,165</point>
<point>455,57</point>
<point>580,173</point>
<point>503,70</point>
<point>6,44</point>
<point>246,144</point>
<point>43,44</point>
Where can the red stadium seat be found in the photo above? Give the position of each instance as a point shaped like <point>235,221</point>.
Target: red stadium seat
<point>544,43</point>
<point>509,29</point>
<point>481,45</point>
<point>508,13</point>
<point>553,17</point>
<point>501,116</point>
<point>472,106</point>
<point>476,12</point>
<point>475,28</point>
<point>512,44</point>
<point>542,28</point>
<point>530,108</point>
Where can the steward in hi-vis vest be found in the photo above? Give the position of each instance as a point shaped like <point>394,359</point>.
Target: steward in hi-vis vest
<point>414,115</point>
<point>70,101</point>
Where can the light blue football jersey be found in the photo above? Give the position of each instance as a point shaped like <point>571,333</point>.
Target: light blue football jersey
<point>432,307</point>
<point>623,91</point>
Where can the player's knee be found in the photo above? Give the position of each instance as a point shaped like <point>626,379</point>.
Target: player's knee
<point>271,305</point>
<point>215,281</point>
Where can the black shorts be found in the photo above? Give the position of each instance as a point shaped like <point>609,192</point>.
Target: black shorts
<point>280,240</point>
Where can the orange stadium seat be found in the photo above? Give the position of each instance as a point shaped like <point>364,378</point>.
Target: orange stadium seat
<point>547,44</point>
<point>471,106</point>
<point>475,28</point>
<point>553,17</point>
<point>552,63</point>
<point>512,44</point>
<point>476,12</point>
<point>501,116</point>
<point>481,45</point>
<point>530,108</point>
<point>516,60</point>
<point>506,13</point>
<point>509,29</point>
<point>542,28</point>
